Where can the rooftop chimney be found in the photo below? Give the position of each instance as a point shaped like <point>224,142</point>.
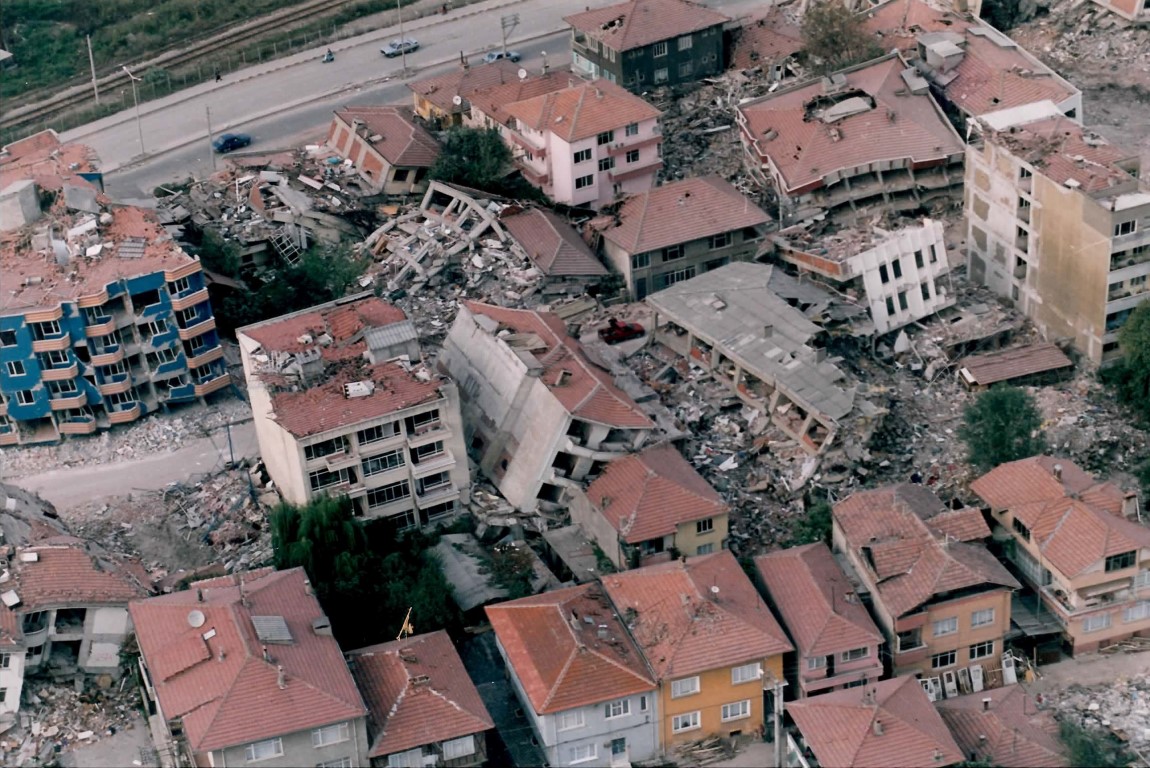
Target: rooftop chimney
<point>768,330</point>
<point>1057,471</point>
<point>281,679</point>
<point>199,595</point>
<point>877,727</point>
<point>986,703</point>
<point>267,656</point>
<point>1130,506</point>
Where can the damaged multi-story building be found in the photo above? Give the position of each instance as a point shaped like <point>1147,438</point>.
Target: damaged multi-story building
<point>1058,221</point>
<point>103,317</point>
<point>343,406</point>
<point>867,139</point>
<point>902,275</point>
<point>539,415</point>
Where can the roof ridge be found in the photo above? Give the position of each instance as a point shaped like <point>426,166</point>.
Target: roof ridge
<point>577,111</point>
<point>566,666</point>
<point>646,197</point>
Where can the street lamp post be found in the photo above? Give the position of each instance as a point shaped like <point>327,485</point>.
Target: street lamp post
<point>506,24</point>
<point>136,100</point>
<point>402,39</point>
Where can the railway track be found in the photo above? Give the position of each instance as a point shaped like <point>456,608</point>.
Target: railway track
<point>230,39</point>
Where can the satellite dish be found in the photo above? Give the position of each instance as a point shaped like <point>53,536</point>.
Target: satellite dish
<point>714,590</point>
<point>522,74</point>
<point>457,100</point>
<point>196,619</point>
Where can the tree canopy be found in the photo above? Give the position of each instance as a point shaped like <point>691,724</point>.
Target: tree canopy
<point>836,36</point>
<point>1002,424</point>
<point>479,158</point>
<point>1130,376</point>
<point>813,525</point>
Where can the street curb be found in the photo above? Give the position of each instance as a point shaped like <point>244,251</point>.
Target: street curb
<point>137,161</point>
<point>127,115</point>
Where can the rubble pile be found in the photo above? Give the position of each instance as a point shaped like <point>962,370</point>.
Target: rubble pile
<point>1121,708</point>
<point>1083,423</point>
<point>56,718</point>
<point>158,433</point>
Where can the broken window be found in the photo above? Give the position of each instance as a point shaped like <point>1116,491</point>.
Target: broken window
<point>401,174</point>
<point>660,75</point>
<point>8,338</point>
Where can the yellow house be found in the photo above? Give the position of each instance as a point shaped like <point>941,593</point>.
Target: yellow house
<point>648,506</point>
<point>712,642</point>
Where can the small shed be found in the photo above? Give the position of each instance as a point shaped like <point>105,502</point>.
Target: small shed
<point>1012,365</point>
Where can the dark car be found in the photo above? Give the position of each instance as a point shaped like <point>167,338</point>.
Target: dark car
<point>396,47</point>
<point>229,142</point>
<point>495,56</point>
<point>615,331</point>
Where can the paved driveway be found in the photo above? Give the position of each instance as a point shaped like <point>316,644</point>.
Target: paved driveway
<point>518,747</point>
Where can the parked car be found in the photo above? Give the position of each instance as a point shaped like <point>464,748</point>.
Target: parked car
<point>497,55</point>
<point>229,142</point>
<point>397,47</point>
<point>615,332</point>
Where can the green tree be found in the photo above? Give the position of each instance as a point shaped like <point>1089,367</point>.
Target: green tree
<point>835,35</point>
<point>1002,424</point>
<point>1088,746</point>
<point>1130,376</point>
<point>813,525</point>
<point>476,157</point>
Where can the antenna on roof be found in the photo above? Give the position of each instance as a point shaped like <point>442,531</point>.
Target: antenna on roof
<point>406,630</point>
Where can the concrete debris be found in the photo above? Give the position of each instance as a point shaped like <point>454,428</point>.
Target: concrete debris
<point>1121,708</point>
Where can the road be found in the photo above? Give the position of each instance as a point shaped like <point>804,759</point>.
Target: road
<point>66,488</point>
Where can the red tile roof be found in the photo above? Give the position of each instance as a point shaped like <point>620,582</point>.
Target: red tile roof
<point>1011,733</point>
<point>765,40</point>
<point>553,246</point>
<point>648,495</point>
<point>1075,522</point>
<point>11,628</point>
<point>1014,363</point>
<point>441,89</point>
<point>555,645</point>
<point>343,322</point>
<point>1062,151</point>
<point>402,142</point>
<point>840,727</point>
<point>689,617</point>
<point>583,110</point>
<point>891,530</point>
<point>681,211</point>
<point>581,387</point>
<point>811,592</point>
<point>640,23</point>
<point>220,685</point>
<point>899,126</point>
<point>417,692</point>
<point>67,572</point>
<point>493,100</point>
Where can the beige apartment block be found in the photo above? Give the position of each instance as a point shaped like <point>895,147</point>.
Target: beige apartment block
<point>1058,221</point>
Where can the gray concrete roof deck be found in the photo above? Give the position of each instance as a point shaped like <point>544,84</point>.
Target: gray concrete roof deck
<point>730,307</point>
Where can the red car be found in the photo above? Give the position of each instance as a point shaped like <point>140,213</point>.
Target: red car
<point>616,332</point>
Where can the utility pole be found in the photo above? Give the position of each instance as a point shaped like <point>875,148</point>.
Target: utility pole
<point>136,99</point>
<point>402,39</point>
<point>506,24</point>
<point>777,716</point>
<point>211,141</point>
<point>92,65</point>
<point>231,452</point>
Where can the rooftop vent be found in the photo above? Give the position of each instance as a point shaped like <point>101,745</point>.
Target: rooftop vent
<point>10,598</point>
<point>272,629</point>
<point>986,704</point>
<point>29,557</point>
<point>420,680</point>
<point>321,626</point>
<point>877,727</point>
<point>358,389</point>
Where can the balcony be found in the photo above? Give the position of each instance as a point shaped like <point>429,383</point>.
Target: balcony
<point>54,344</point>
<point>192,331</point>
<point>125,415</point>
<point>205,357</point>
<point>207,386</point>
<point>36,636</point>
<point>425,433</point>
<point>102,327</point>
<point>9,438</point>
<point>340,459</point>
<point>433,464</point>
<point>436,495</point>
<point>78,400</point>
<point>1141,237</point>
<point>189,300</point>
<point>3,408</point>
<point>60,374</point>
<point>115,385</point>
<point>111,356</point>
<point>78,427</point>
<point>620,148</point>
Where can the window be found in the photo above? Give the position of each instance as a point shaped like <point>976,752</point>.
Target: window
<point>933,254</point>
<point>946,626</point>
<point>673,252</point>
<point>423,422</point>
<point>45,329</point>
<point>687,722</point>
<point>737,711</point>
<point>660,49</point>
<point>686,68</point>
<point>1120,561</point>
<point>584,181</point>
<point>854,654</point>
<point>883,274</point>
<point>640,261</point>
<point>902,300</point>
<point>982,618</point>
<point>611,58</point>
<point>705,549</point>
<point>940,660</point>
<point>982,650</point>
<point>5,660</point>
<point>412,758</point>
<point>607,163</point>
<point>461,747</point>
<point>178,286</point>
<point>889,306</point>
<point>746,673</point>
<point>262,750</point>
<point>660,75</point>
<point>925,289</point>
<point>1140,611</point>
<point>569,721</point>
<point>617,708</point>
<point>606,137</point>
<point>1142,580</point>
<point>431,482</point>
<point>187,317</point>
<point>643,703</point>
<point>322,478</point>
<point>7,338</point>
<point>582,155</point>
<point>1021,529</point>
<point>1024,173</point>
<point>339,762</point>
<point>161,357</point>
<point>155,328</point>
<point>15,368</point>
<point>583,752</point>
<point>382,463</point>
<point>918,259</point>
<point>910,639</point>
<point>1096,623</point>
<point>720,241</point>
<point>816,662</point>
<point>705,526</point>
<point>632,129</point>
<point>62,389</point>
<point>424,452</point>
<point>632,156</point>
<point>377,433</point>
<point>25,397</point>
<point>1125,228</point>
<point>330,734</point>
<point>325,448</point>
<point>670,278</point>
<point>685,687</point>
<point>897,265</point>
<point>58,358</point>
<point>685,42</point>
<point>377,497</point>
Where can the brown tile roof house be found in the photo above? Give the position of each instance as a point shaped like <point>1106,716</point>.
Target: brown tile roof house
<point>889,724</point>
<point>417,692</point>
<point>678,212</point>
<point>874,117</point>
<point>401,141</point>
<point>768,39</point>
<point>812,594</point>
<point>64,570</point>
<point>559,658</point>
<point>582,110</point>
<point>553,246</point>
<point>1011,364</point>
<point>441,90</point>
<point>905,533</point>
<point>1003,727</point>
<point>493,100</point>
<point>213,674</point>
<point>647,495</point>
<point>636,24</point>
<point>697,615</point>
<point>583,388</point>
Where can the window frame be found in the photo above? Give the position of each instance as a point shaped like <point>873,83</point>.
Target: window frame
<point>936,658</point>
<point>25,397</point>
<point>986,645</point>
<point>582,156</point>
<point>576,749</point>
<point>855,654</point>
<point>659,49</point>
<point>744,711</point>
<point>276,743</point>
<point>606,164</point>
<point>662,75</point>
<point>604,138</point>
<point>721,240</point>
<point>382,462</point>
<point>755,668</point>
<point>562,724</point>
<point>1136,611</point>
<point>685,42</point>
<point>1121,561</point>
<point>617,708</point>
<point>677,687</point>
<point>16,368</point>
<point>632,129</point>
<point>816,662</point>
<point>951,621</point>
<point>640,260</point>
<point>976,615</point>
<point>674,252</point>
<point>632,155</point>
<point>704,526</point>
<point>387,490</point>
<point>693,722</point>
<point>469,746</point>
<point>342,733</point>
<point>583,182</point>
<point>1088,623</point>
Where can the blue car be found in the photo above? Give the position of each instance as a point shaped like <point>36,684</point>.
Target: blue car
<point>229,142</point>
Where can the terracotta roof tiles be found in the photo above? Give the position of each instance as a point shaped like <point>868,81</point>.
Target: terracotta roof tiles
<point>626,26</point>
<point>441,89</point>
<point>767,39</point>
<point>582,110</point>
<point>66,572</point>
<point>492,101</point>
<point>342,322</point>
<point>1011,732</point>
<point>553,246</point>
<point>1062,151</point>
<point>402,142</point>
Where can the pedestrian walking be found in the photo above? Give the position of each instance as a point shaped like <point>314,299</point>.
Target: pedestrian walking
<point>219,77</point>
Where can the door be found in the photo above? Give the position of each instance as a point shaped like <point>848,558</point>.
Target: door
<point>1009,674</point>
<point>948,682</point>
<point>640,289</point>
<point>964,680</point>
<point>976,677</point>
